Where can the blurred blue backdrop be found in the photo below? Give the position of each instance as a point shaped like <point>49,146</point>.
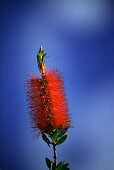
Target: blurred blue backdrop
<point>79,39</point>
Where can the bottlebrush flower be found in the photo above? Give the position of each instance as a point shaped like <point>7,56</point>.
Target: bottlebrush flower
<point>48,107</point>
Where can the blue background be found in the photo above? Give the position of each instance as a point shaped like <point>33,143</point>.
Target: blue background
<point>79,39</point>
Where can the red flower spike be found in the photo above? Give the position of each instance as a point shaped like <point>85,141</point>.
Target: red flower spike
<point>47,102</point>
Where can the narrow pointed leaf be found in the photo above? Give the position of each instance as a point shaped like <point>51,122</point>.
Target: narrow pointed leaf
<point>67,133</point>
<point>62,132</point>
<point>61,140</point>
<point>59,166</point>
<point>51,165</point>
<point>48,162</point>
<point>54,135</point>
<point>46,139</point>
<point>64,167</point>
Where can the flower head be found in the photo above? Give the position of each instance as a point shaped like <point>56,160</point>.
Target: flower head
<point>48,107</point>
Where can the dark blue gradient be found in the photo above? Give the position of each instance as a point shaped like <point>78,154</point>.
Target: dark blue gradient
<point>79,39</point>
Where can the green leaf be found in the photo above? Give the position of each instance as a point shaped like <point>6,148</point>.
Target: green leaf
<point>46,139</point>
<point>64,167</point>
<point>59,166</point>
<point>63,161</point>
<point>62,132</point>
<point>53,137</point>
<point>67,133</point>
<point>48,162</point>
<point>61,140</point>
<point>49,135</point>
<point>51,165</point>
